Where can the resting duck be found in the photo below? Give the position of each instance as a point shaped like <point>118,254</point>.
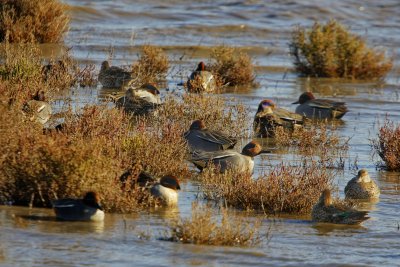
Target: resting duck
<point>86,209</point>
<point>137,105</point>
<point>37,109</point>
<point>201,80</point>
<point>201,138</point>
<point>362,187</point>
<point>166,190</point>
<point>113,76</point>
<point>329,212</point>
<point>229,159</point>
<point>269,117</point>
<point>319,108</point>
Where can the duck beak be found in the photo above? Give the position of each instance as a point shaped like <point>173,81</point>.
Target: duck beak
<point>264,151</point>
<point>297,102</point>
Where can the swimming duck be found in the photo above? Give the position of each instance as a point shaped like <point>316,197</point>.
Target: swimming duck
<point>131,103</point>
<point>37,109</point>
<point>362,187</point>
<point>201,138</point>
<point>319,108</point>
<point>201,80</point>
<point>166,190</point>
<point>86,209</point>
<point>339,213</point>
<point>269,117</point>
<point>229,159</point>
<point>113,76</point>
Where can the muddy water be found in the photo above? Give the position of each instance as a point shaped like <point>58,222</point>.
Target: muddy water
<point>31,237</point>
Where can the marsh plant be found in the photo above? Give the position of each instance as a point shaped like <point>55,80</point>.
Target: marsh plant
<point>284,189</point>
<point>152,65</point>
<point>91,151</point>
<point>233,66</point>
<point>331,50</point>
<point>387,145</point>
<point>227,115</point>
<point>203,228</point>
<point>39,21</point>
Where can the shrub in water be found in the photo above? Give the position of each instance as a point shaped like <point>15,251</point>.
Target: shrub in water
<point>330,50</point>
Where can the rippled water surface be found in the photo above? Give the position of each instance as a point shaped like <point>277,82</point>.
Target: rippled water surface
<point>187,30</point>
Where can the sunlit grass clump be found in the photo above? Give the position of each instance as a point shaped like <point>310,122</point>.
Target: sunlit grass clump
<point>232,66</point>
<point>203,228</point>
<point>152,65</point>
<point>39,21</point>
<point>387,145</point>
<point>284,189</point>
<point>330,50</point>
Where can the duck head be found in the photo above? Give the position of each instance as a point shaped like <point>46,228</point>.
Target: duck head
<point>363,176</point>
<point>304,97</point>
<point>198,125</point>
<point>201,66</point>
<point>170,181</point>
<point>92,199</point>
<point>39,96</point>
<point>266,105</point>
<point>253,149</point>
<point>105,65</point>
<point>326,198</point>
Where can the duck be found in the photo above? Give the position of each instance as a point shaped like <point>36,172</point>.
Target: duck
<point>86,209</point>
<point>201,80</point>
<point>37,109</point>
<point>148,92</point>
<point>229,159</point>
<point>362,187</point>
<point>137,105</point>
<point>319,108</point>
<point>166,190</point>
<point>337,213</point>
<point>268,117</point>
<point>113,76</point>
<point>199,137</point>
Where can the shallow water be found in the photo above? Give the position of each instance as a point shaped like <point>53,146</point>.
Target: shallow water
<point>31,237</point>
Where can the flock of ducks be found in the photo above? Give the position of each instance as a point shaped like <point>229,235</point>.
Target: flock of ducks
<point>208,147</point>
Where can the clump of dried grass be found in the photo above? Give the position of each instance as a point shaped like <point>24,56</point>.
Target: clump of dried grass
<point>284,189</point>
<point>226,115</point>
<point>203,228</point>
<point>387,145</point>
<point>91,152</point>
<point>39,21</point>
<point>23,69</point>
<point>310,137</point>
<point>233,66</point>
<point>330,50</point>
<point>152,65</point>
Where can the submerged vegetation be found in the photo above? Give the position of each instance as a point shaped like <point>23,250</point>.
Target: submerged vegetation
<point>39,21</point>
<point>203,229</point>
<point>387,145</point>
<point>330,50</point>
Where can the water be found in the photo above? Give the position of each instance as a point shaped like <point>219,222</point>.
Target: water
<point>186,30</point>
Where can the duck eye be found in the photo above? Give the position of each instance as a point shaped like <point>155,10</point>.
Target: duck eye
<point>266,104</point>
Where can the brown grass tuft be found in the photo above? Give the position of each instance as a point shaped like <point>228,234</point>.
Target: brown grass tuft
<point>233,66</point>
<point>39,21</point>
<point>387,145</point>
<point>222,114</point>
<point>330,50</point>
<point>203,228</point>
<point>152,65</point>
<point>285,189</point>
